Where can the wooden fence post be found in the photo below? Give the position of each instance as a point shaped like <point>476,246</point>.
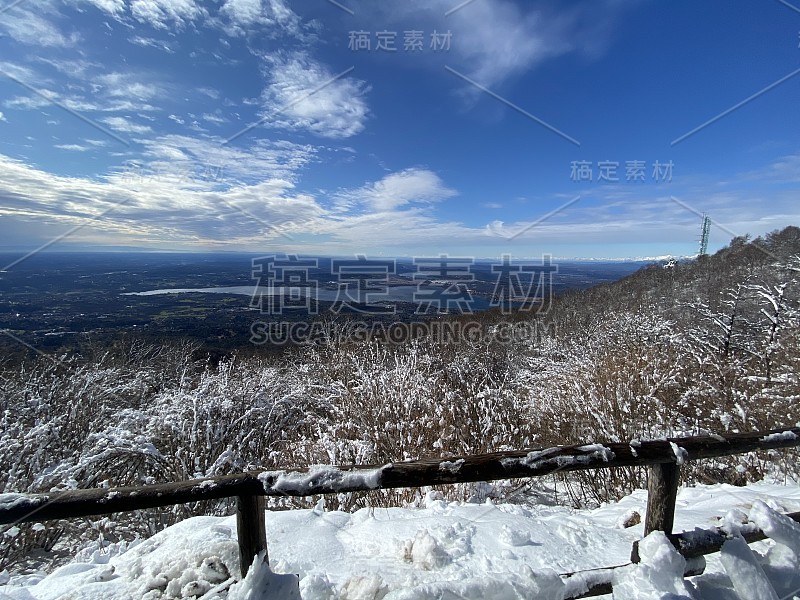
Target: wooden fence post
<point>662,492</point>
<point>251,529</point>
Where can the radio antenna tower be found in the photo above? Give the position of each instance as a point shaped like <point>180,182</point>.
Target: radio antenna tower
<point>704,235</point>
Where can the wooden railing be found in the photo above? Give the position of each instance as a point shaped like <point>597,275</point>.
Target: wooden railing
<point>662,457</point>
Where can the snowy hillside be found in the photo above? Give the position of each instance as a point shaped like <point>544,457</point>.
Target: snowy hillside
<point>446,550</point>
<point>702,347</point>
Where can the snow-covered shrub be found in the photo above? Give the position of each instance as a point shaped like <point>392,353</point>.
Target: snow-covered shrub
<point>708,347</point>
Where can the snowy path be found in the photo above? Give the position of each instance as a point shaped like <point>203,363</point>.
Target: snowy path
<point>445,550</point>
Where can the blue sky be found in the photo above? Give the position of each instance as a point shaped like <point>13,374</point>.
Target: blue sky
<point>257,125</point>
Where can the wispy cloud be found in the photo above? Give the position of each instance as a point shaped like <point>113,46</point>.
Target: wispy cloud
<point>417,186</point>
<point>112,7</point>
<point>126,85</point>
<point>109,92</point>
<point>166,205</point>
<point>497,40</point>
<point>125,125</point>
<point>31,25</point>
<point>73,147</point>
<point>149,42</point>
<point>302,93</point>
<point>210,92</point>
<point>785,169</point>
<point>87,146</point>
<point>163,14</point>
<point>242,17</point>
<point>262,159</point>
<point>234,17</point>
<point>214,118</point>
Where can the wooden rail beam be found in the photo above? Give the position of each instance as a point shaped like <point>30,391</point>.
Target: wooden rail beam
<point>18,508</point>
<point>601,583</point>
<point>661,456</point>
<point>692,544</point>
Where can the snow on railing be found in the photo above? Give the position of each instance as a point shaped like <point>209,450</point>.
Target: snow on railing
<point>663,457</point>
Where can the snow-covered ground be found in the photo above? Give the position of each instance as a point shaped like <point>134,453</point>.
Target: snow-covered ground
<point>446,551</point>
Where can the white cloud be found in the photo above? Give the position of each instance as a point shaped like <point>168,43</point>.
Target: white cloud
<point>239,17</point>
<point>78,103</point>
<point>30,102</point>
<point>234,17</point>
<point>152,43</point>
<point>3,117</point>
<point>164,211</point>
<point>75,68</point>
<point>493,41</point>
<point>498,40</point>
<point>29,27</point>
<point>17,71</point>
<point>210,92</point>
<point>258,199</point>
<point>73,147</point>
<point>112,7</point>
<point>398,190</point>
<point>262,160</point>
<point>162,14</point>
<point>244,12</point>
<point>786,169</point>
<point>124,125</point>
<point>216,119</point>
<point>303,94</point>
<point>109,92</point>
<point>125,85</point>
<point>152,207</point>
